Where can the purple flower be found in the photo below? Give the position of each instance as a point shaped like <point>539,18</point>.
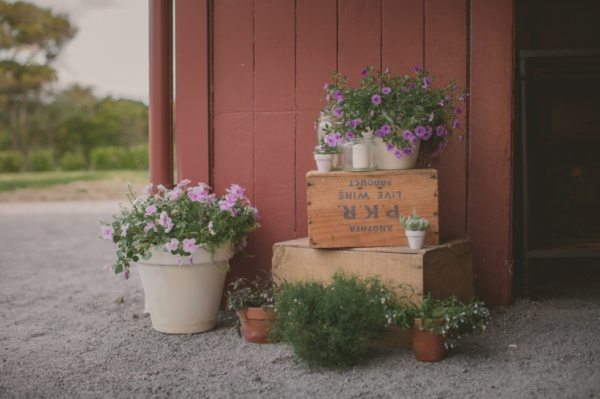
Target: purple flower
<point>326,85</point>
<point>126,274</point>
<point>397,153</point>
<point>124,228</point>
<point>172,245</point>
<point>431,117</point>
<point>338,138</point>
<point>210,228</point>
<point>339,96</point>
<point>407,134</point>
<point>440,130</point>
<point>386,90</point>
<point>372,113</point>
<point>338,112</point>
<point>387,70</point>
<point>322,148</point>
<point>165,221</point>
<point>364,72</point>
<point>188,245</point>
<point>354,123</point>
<point>179,260</point>
<point>456,85</point>
<point>442,103</point>
<point>350,135</point>
<point>462,98</point>
<point>390,147</point>
<point>331,141</point>
<point>328,97</point>
<point>376,99</point>
<point>404,89</point>
<point>150,209</point>
<point>149,226</point>
<point>408,151</point>
<point>461,137</point>
<point>411,86</point>
<point>458,111</point>
<point>386,129</point>
<point>379,80</point>
<point>448,97</point>
<point>197,194</point>
<point>379,133</point>
<point>107,232</point>
<point>413,139</point>
<point>417,68</point>
<point>420,131</point>
<point>428,132</point>
<point>426,82</point>
<point>456,124</point>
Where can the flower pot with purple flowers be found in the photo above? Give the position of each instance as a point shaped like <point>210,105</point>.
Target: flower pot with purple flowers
<point>182,240</point>
<point>327,152</point>
<point>407,115</point>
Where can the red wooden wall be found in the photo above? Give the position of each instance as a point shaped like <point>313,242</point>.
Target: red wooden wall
<point>247,101</point>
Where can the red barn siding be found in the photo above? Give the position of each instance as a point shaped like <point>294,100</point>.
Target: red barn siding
<point>270,59</point>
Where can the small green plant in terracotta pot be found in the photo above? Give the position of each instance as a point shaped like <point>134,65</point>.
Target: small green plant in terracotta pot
<point>435,325</point>
<point>253,302</point>
<point>331,324</point>
<point>415,229</point>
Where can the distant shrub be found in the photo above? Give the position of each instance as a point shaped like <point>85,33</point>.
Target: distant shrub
<point>72,161</point>
<point>41,160</point>
<point>11,161</point>
<point>108,158</point>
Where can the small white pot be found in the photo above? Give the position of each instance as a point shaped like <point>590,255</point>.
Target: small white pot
<point>324,162</point>
<point>184,299</point>
<point>387,161</point>
<point>416,238</point>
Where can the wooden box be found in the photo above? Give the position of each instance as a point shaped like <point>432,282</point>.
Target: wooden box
<point>361,209</point>
<point>442,270</point>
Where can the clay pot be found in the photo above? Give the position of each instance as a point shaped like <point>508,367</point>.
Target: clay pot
<point>255,324</point>
<point>428,347</point>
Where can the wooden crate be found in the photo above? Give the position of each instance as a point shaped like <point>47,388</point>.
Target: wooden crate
<point>443,270</point>
<point>361,209</point>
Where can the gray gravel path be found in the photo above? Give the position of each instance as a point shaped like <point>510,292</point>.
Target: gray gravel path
<point>63,334</point>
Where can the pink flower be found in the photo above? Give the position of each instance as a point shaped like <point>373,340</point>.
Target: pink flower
<point>236,191</point>
<point>174,194</point>
<point>124,228</point>
<point>188,245</point>
<point>149,226</point>
<point>150,209</point>
<point>148,189</point>
<point>184,183</point>
<point>179,260</point>
<point>198,195</point>
<point>161,188</point>
<point>172,246</point>
<point>107,233</point>
<point>165,221</point>
<point>210,228</point>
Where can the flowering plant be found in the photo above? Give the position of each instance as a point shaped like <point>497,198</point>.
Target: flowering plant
<point>399,109</point>
<point>329,146</point>
<point>180,221</point>
<point>457,317</point>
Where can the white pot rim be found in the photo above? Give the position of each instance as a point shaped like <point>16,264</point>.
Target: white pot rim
<point>324,156</point>
<point>165,258</point>
<point>418,233</point>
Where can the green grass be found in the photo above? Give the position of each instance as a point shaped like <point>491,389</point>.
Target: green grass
<point>13,181</point>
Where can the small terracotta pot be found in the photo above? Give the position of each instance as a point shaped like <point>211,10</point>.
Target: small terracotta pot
<point>428,347</point>
<point>255,323</point>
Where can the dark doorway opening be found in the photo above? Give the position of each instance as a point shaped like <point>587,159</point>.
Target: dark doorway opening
<point>557,141</point>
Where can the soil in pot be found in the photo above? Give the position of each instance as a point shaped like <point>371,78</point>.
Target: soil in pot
<point>428,347</point>
<point>256,323</point>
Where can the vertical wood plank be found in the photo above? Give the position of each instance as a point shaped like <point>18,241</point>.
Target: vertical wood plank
<point>275,123</point>
<point>359,37</point>
<point>490,171</point>
<point>233,107</point>
<point>316,59</point>
<point>446,58</point>
<point>275,55</point>
<point>402,35</point>
<point>192,112</point>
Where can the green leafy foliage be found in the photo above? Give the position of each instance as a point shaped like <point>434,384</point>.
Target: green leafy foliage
<point>458,318</point>
<point>71,161</point>
<point>331,325</point>
<point>258,293</point>
<point>11,161</point>
<point>325,148</point>
<point>112,158</point>
<point>41,161</point>
<point>174,217</point>
<point>414,223</point>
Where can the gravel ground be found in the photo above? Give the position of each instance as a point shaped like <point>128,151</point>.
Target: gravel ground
<point>70,329</point>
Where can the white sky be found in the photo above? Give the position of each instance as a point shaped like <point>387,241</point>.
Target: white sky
<point>110,50</point>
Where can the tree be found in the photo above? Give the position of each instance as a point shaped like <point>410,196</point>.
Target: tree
<point>31,38</point>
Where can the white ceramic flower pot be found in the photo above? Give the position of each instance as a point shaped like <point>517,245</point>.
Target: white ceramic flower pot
<point>387,161</point>
<point>416,238</point>
<point>324,162</point>
<point>184,299</point>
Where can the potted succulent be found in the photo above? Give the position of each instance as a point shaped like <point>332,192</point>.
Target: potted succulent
<point>435,325</point>
<point>415,229</point>
<point>406,114</point>
<point>182,240</point>
<point>253,303</point>
<point>326,152</point>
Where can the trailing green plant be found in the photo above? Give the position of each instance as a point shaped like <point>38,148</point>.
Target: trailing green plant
<point>332,325</point>
<point>71,161</point>
<point>458,318</point>
<point>399,109</point>
<point>11,161</point>
<point>179,221</point>
<point>414,223</point>
<point>41,161</point>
